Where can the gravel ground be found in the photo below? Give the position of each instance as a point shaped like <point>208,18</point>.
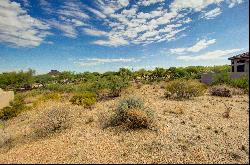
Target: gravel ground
<point>192,131</point>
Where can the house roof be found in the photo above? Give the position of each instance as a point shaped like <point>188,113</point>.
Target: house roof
<point>240,56</point>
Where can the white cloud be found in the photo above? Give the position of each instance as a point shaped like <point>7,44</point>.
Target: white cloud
<point>209,55</point>
<point>46,6</point>
<point>202,44</point>
<point>18,28</point>
<point>196,5</point>
<point>94,32</point>
<point>112,41</point>
<point>68,30</point>
<point>96,12</point>
<point>232,3</point>
<point>212,13</point>
<point>149,2</point>
<point>97,61</point>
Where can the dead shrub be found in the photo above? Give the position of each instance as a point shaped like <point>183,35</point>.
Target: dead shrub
<point>132,113</point>
<point>221,90</point>
<point>52,121</point>
<point>5,138</point>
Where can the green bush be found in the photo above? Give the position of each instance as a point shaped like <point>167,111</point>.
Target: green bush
<point>220,90</point>
<point>50,96</point>
<point>86,99</point>
<point>15,108</point>
<point>116,85</point>
<point>224,78</point>
<point>242,82</point>
<point>59,88</point>
<point>221,78</point>
<point>132,113</point>
<point>184,89</point>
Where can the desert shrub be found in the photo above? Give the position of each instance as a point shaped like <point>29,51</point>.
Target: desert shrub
<point>242,82</point>
<point>16,107</point>
<point>103,94</point>
<point>221,78</point>
<point>116,85</point>
<point>86,99</point>
<point>132,112</point>
<point>220,90</point>
<point>50,96</point>
<point>184,89</point>
<point>51,121</point>
<point>59,88</point>
<point>5,138</point>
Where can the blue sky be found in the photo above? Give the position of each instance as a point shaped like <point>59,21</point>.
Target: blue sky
<point>103,35</point>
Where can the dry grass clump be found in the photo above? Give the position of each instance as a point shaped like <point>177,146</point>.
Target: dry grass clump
<point>132,113</point>
<point>86,99</point>
<point>54,120</point>
<point>184,89</point>
<point>5,138</point>
<point>221,90</point>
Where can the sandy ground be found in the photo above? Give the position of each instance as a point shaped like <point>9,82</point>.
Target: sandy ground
<point>198,135</point>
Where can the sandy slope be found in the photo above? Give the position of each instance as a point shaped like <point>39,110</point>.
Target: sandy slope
<point>199,135</point>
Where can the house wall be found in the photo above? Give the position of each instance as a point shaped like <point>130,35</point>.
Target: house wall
<point>5,98</point>
<point>246,67</point>
<point>208,78</point>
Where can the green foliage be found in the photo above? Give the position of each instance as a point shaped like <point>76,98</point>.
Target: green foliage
<point>15,108</point>
<point>86,99</point>
<point>220,90</point>
<point>184,89</point>
<point>132,112</point>
<point>224,78</point>
<point>242,83</point>
<point>50,96</point>
<point>15,80</point>
<point>59,88</point>
<point>116,85</point>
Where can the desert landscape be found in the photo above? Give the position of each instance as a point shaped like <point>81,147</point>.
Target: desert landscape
<point>124,82</point>
<point>190,131</point>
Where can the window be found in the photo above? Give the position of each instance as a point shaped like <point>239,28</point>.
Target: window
<point>240,68</point>
<point>232,68</point>
<point>232,62</point>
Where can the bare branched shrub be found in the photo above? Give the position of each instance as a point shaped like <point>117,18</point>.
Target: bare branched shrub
<point>54,120</point>
<point>221,90</point>
<point>132,113</point>
<point>5,138</point>
<point>226,114</point>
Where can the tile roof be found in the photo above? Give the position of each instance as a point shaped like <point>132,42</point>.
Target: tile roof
<point>243,55</point>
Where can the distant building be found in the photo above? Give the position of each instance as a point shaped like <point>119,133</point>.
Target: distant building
<point>239,67</point>
<point>54,73</point>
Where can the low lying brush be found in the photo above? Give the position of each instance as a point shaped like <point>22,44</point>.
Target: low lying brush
<point>220,90</point>
<point>184,89</point>
<point>132,113</point>
<point>86,99</point>
<point>54,120</point>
